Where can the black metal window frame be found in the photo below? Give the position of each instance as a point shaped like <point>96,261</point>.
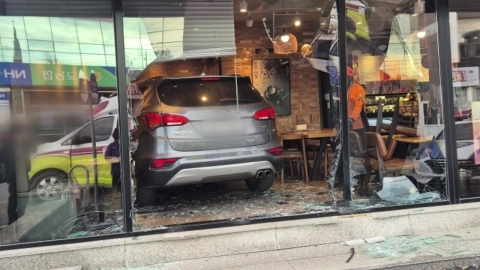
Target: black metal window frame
<point>447,99</point>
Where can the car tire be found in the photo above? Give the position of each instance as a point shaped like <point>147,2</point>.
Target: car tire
<point>48,185</point>
<point>260,184</point>
<point>145,196</point>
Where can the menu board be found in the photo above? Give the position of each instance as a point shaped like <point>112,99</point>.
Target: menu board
<point>390,87</point>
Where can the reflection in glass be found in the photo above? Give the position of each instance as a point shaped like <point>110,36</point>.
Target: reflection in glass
<point>67,47</point>
<point>38,28</point>
<point>89,32</point>
<point>49,177</point>
<point>465,43</point>
<point>64,29</point>
<point>394,104</point>
<point>91,49</point>
<point>93,60</point>
<point>37,45</point>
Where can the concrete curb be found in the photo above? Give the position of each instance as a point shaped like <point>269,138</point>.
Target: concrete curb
<point>158,249</point>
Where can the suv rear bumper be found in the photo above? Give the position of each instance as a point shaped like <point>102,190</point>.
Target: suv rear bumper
<point>208,172</point>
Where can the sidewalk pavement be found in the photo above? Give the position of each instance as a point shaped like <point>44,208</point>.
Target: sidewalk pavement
<point>440,250</point>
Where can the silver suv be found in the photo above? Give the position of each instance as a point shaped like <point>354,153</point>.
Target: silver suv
<point>193,131</point>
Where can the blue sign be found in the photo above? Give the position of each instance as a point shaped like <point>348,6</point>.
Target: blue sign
<point>4,96</point>
<point>15,74</point>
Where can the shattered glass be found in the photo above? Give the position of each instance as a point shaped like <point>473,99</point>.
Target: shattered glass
<point>401,189</point>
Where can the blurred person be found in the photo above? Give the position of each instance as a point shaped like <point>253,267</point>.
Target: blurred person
<point>15,150</point>
<point>356,106</point>
<point>112,155</point>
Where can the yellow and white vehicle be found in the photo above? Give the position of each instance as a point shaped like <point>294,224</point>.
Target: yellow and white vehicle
<point>52,162</point>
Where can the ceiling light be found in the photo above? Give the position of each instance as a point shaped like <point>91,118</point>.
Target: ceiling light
<point>296,21</point>
<point>243,6</point>
<point>421,34</point>
<point>285,37</point>
<point>249,20</point>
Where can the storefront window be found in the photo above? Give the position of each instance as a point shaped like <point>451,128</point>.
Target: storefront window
<point>209,144</point>
<point>394,104</point>
<point>58,169</point>
<point>465,42</point>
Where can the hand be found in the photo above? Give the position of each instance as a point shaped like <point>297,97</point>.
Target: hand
<point>350,123</point>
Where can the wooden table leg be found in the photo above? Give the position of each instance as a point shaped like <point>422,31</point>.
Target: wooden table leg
<point>321,151</point>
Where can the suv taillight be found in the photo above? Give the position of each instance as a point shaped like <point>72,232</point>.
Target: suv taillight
<point>265,114</point>
<point>100,107</point>
<point>156,120</point>
<point>160,163</point>
<point>276,151</point>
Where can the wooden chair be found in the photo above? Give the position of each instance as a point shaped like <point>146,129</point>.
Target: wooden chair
<point>294,155</point>
<point>312,148</point>
<point>381,155</point>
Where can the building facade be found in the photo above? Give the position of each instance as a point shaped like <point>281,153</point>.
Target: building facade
<point>72,72</point>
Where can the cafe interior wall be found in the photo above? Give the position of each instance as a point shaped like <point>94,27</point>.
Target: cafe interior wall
<point>303,78</point>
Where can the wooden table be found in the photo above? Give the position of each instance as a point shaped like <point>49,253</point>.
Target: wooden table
<point>324,136</point>
<point>411,140</point>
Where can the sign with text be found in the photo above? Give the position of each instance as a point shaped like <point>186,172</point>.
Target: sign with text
<point>15,74</point>
<point>64,75</point>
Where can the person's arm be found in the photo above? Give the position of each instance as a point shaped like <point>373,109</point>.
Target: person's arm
<point>359,103</point>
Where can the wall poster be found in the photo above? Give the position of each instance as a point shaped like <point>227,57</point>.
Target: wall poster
<point>476,130</point>
<point>272,78</point>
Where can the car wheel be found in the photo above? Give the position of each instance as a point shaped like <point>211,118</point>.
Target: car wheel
<point>260,184</point>
<point>49,185</point>
<point>146,196</point>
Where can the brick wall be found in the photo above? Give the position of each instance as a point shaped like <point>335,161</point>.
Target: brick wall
<point>303,78</point>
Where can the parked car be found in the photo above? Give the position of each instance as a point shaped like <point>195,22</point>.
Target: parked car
<point>52,161</point>
<point>430,159</point>
<point>193,131</point>
<point>106,106</point>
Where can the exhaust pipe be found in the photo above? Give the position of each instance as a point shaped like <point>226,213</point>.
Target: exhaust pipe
<point>260,174</point>
<point>263,174</point>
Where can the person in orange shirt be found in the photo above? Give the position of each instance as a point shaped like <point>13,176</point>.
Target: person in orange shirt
<point>356,106</point>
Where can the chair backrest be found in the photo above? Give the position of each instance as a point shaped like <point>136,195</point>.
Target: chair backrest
<point>356,141</point>
<point>379,117</point>
<point>376,142</point>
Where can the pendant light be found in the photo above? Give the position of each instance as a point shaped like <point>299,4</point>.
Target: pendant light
<point>249,21</point>
<point>243,6</point>
<point>296,21</point>
<point>285,36</point>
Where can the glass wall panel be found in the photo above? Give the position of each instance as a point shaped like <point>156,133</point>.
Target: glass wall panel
<point>395,108</point>
<point>465,42</point>
<point>221,157</point>
<point>59,172</point>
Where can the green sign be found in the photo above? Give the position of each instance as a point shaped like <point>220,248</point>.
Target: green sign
<point>65,75</point>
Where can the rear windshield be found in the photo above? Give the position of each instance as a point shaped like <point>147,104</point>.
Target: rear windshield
<point>197,93</point>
